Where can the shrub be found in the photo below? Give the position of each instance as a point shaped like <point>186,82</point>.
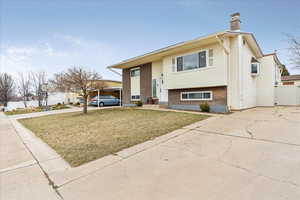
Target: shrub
<point>58,104</point>
<point>204,107</point>
<point>139,103</point>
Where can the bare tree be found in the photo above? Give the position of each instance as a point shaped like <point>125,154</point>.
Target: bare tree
<point>295,50</point>
<point>77,79</point>
<point>101,85</point>
<point>6,88</point>
<point>24,86</point>
<point>38,80</point>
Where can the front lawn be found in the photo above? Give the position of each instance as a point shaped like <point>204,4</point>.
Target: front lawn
<point>82,138</point>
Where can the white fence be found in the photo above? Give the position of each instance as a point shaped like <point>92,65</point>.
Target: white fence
<point>287,95</point>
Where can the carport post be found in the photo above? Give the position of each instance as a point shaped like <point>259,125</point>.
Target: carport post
<point>98,97</point>
<point>120,90</point>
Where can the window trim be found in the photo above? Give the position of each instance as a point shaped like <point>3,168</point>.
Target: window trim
<point>195,52</point>
<point>204,99</point>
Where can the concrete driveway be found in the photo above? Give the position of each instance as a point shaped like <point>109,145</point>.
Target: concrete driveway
<point>253,154</point>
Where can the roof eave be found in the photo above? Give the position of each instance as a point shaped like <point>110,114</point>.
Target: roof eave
<point>165,49</point>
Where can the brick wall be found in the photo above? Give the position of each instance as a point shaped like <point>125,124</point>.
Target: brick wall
<point>126,86</point>
<point>146,81</point>
<point>219,96</point>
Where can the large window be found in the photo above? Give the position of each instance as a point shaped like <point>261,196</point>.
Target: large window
<point>194,61</point>
<point>135,72</point>
<point>196,96</point>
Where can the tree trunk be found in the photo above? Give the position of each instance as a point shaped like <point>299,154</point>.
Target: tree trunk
<point>5,100</point>
<point>85,104</point>
<point>25,102</point>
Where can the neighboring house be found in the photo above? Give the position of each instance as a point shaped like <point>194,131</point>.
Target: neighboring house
<point>107,87</point>
<point>226,69</point>
<point>288,92</point>
<point>291,80</point>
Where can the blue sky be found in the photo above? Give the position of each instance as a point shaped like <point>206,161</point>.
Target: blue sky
<point>53,35</point>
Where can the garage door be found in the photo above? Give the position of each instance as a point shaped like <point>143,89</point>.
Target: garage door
<point>288,95</point>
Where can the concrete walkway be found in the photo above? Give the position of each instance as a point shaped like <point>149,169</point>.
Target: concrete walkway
<point>21,176</point>
<point>253,154</point>
<point>52,112</point>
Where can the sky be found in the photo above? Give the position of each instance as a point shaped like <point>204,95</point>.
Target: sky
<point>43,35</point>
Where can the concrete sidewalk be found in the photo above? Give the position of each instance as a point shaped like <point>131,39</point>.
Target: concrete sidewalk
<point>21,176</point>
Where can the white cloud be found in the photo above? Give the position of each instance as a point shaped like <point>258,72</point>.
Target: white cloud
<point>58,53</point>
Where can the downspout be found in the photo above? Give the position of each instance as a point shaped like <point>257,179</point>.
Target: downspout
<point>114,71</point>
<point>227,52</point>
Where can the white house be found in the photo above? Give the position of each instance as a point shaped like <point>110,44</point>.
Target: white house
<point>227,69</point>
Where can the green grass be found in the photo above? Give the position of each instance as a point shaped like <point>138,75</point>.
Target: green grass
<point>80,138</point>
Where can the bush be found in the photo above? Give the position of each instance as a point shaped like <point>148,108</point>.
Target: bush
<point>58,104</point>
<point>139,103</point>
<point>59,107</point>
<point>204,107</point>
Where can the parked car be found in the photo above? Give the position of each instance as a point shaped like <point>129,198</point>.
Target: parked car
<point>105,101</point>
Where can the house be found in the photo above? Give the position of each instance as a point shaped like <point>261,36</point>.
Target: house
<point>288,92</point>
<point>105,86</point>
<point>291,80</point>
<point>227,69</point>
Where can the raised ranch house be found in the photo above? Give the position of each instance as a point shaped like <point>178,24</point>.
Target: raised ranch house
<point>226,69</point>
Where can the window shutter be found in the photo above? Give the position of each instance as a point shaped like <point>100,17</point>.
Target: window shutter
<point>210,57</point>
<point>179,64</point>
<point>202,59</point>
<point>173,64</point>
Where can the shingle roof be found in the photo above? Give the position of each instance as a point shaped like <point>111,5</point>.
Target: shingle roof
<point>291,77</point>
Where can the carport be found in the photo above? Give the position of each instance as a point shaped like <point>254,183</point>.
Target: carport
<point>109,91</point>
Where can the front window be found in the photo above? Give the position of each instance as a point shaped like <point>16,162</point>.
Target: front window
<point>194,61</point>
<point>200,96</point>
<point>135,72</point>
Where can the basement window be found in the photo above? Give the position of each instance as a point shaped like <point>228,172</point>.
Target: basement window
<point>135,97</point>
<point>196,96</point>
